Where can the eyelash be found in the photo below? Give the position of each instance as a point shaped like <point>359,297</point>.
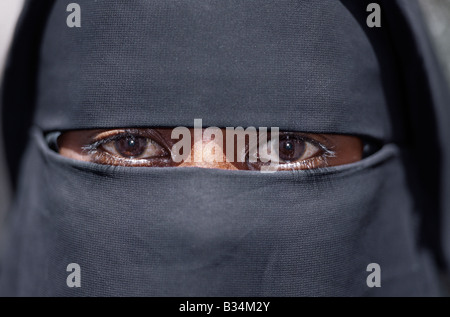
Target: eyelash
<point>92,148</point>
<point>106,158</point>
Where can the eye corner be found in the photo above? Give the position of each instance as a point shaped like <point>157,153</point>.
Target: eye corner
<point>51,138</point>
<point>370,146</point>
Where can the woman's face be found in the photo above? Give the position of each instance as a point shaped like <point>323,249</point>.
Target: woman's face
<point>147,147</point>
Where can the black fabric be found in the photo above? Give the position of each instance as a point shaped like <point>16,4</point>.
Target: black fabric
<point>19,87</point>
<point>231,63</point>
<point>193,231</point>
<point>428,99</point>
<point>309,66</point>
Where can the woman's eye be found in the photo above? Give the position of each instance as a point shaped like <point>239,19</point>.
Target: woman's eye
<point>133,147</point>
<point>292,150</point>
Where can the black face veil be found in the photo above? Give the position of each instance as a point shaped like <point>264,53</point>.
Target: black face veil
<point>311,66</point>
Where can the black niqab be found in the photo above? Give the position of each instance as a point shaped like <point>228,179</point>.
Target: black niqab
<point>311,66</point>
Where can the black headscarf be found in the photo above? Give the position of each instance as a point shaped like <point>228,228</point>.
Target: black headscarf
<point>311,66</point>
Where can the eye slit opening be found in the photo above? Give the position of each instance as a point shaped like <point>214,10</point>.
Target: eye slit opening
<point>299,150</point>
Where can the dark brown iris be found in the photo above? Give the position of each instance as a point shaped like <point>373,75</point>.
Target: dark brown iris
<point>291,149</point>
<point>131,146</point>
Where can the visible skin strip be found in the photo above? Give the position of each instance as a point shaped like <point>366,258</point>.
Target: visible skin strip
<point>332,149</point>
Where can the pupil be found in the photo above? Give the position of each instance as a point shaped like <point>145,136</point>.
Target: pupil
<point>288,145</point>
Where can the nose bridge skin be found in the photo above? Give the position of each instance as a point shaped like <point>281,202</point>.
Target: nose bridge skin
<point>213,152</point>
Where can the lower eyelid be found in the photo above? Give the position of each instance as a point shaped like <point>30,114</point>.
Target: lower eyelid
<point>306,164</point>
<point>106,158</point>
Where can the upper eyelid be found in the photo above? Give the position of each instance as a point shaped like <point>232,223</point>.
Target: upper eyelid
<point>328,149</point>
<point>304,137</point>
<point>148,133</point>
<point>92,147</point>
